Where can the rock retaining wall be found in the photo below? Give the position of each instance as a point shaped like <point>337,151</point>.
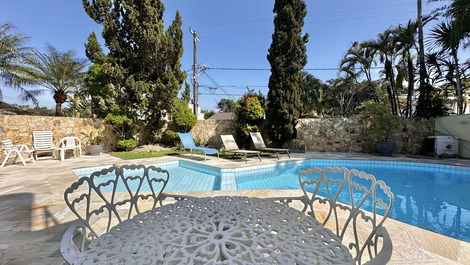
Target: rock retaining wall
<point>19,128</point>
<point>208,131</point>
<point>350,135</point>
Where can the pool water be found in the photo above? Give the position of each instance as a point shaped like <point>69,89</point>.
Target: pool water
<point>430,196</point>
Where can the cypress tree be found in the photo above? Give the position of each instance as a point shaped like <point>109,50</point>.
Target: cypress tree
<point>287,56</point>
<point>143,63</point>
<point>186,95</point>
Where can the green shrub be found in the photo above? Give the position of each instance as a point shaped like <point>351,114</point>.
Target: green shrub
<point>249,110</point>
<point>382,122</point>
<point>127,144</point>
<point>249,114</point>
<point>169,137</point>
<point>121,124</point>
<point>93,139</point>
<point>183,117</point>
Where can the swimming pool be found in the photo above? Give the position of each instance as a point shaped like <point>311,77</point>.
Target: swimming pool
<point>431,196</point>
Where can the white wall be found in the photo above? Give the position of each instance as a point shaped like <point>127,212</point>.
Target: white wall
<point>458,126</point>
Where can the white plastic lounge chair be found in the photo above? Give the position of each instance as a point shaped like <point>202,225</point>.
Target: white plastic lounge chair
<point>70,143</point>
<point>43,143</point>
<point>260,146</point>
<point>188,143</point>
<point>10,150</point>
<point>231,146</point>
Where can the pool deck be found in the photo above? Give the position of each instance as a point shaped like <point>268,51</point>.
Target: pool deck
<point>33,215</point>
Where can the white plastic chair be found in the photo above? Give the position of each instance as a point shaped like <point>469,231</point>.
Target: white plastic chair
<point>10,150</point>
<point>43,142</point>
<point>70,143</point>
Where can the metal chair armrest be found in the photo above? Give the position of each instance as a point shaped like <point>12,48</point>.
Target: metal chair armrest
<point>385,254</point>
<point>69,250</point>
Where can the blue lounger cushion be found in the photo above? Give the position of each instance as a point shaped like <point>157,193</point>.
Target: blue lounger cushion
<point>188,143</point>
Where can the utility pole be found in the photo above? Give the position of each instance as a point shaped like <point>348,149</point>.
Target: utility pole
<point>195,72</point>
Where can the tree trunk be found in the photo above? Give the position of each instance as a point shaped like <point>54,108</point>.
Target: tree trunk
<point>458,83</point>
<point>422,66</point>
<point>391,88</point>
<point>60,97</point>
<point>58,109</point>
<point>411,86</point>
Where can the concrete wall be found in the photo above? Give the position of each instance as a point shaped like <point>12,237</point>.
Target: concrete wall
<point>208,131</point>
<point>19,128</point>
<point>339,134</point>
<point>458,126</point>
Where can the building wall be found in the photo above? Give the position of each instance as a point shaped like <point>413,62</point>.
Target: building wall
<point>19,128</point>
<point>458,126</point>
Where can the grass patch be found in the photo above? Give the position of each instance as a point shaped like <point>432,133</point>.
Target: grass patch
<point>149,154</point>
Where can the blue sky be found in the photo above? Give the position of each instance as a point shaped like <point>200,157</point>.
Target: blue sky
<point>233,34</point>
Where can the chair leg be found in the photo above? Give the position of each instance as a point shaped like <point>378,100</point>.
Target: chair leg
<point>277,155</point>
<point>7,155</point>
<point>288,154</point>
<point>246,161</point>
<point>18,154</point>
<point>259,156</point>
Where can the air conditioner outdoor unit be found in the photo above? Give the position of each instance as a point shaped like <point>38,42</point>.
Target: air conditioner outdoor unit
<point>442,146</point>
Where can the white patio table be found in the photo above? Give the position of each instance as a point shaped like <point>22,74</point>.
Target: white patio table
<point>113,227</point>
<point>219,230</point>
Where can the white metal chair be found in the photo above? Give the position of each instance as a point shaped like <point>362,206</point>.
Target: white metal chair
<point>10,150</point>
<point>356,205</point>
<point>88,199</point>
<point>70,143</point>
<point>43,142</point>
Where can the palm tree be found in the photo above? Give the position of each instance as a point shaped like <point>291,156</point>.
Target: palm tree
<point>55,71</point>
<point>443,37</point>
<point>358,56</point>
<point>406,41</point>
<point>459,11</point>
<point>386,48</point>
<point>12,54</point>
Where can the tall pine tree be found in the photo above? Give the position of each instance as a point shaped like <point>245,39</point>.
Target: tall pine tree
<point>142,67</point>
<point>287,56</point>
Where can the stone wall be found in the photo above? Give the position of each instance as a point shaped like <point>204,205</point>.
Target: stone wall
<point>208,131</point>
<point>350,135</point>
<point>335,134</point>
<point>19,128</point>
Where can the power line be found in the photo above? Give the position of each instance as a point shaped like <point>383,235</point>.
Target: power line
<point>269,69</point>
<point>218,94</point>
<point>313,14</point>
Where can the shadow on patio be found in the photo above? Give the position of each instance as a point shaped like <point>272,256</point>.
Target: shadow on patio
<point>29,233</point>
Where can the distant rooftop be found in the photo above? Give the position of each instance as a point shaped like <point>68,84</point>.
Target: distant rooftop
<point>222,116</point>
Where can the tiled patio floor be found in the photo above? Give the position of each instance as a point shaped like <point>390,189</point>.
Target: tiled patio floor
<point>33,215</point>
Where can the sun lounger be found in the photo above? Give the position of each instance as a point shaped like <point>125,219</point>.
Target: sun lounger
<point>260,146</point>
<point>231,146</point>
<point>188,143</point>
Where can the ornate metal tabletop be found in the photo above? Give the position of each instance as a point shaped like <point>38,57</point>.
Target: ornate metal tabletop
<point>219,230</point>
